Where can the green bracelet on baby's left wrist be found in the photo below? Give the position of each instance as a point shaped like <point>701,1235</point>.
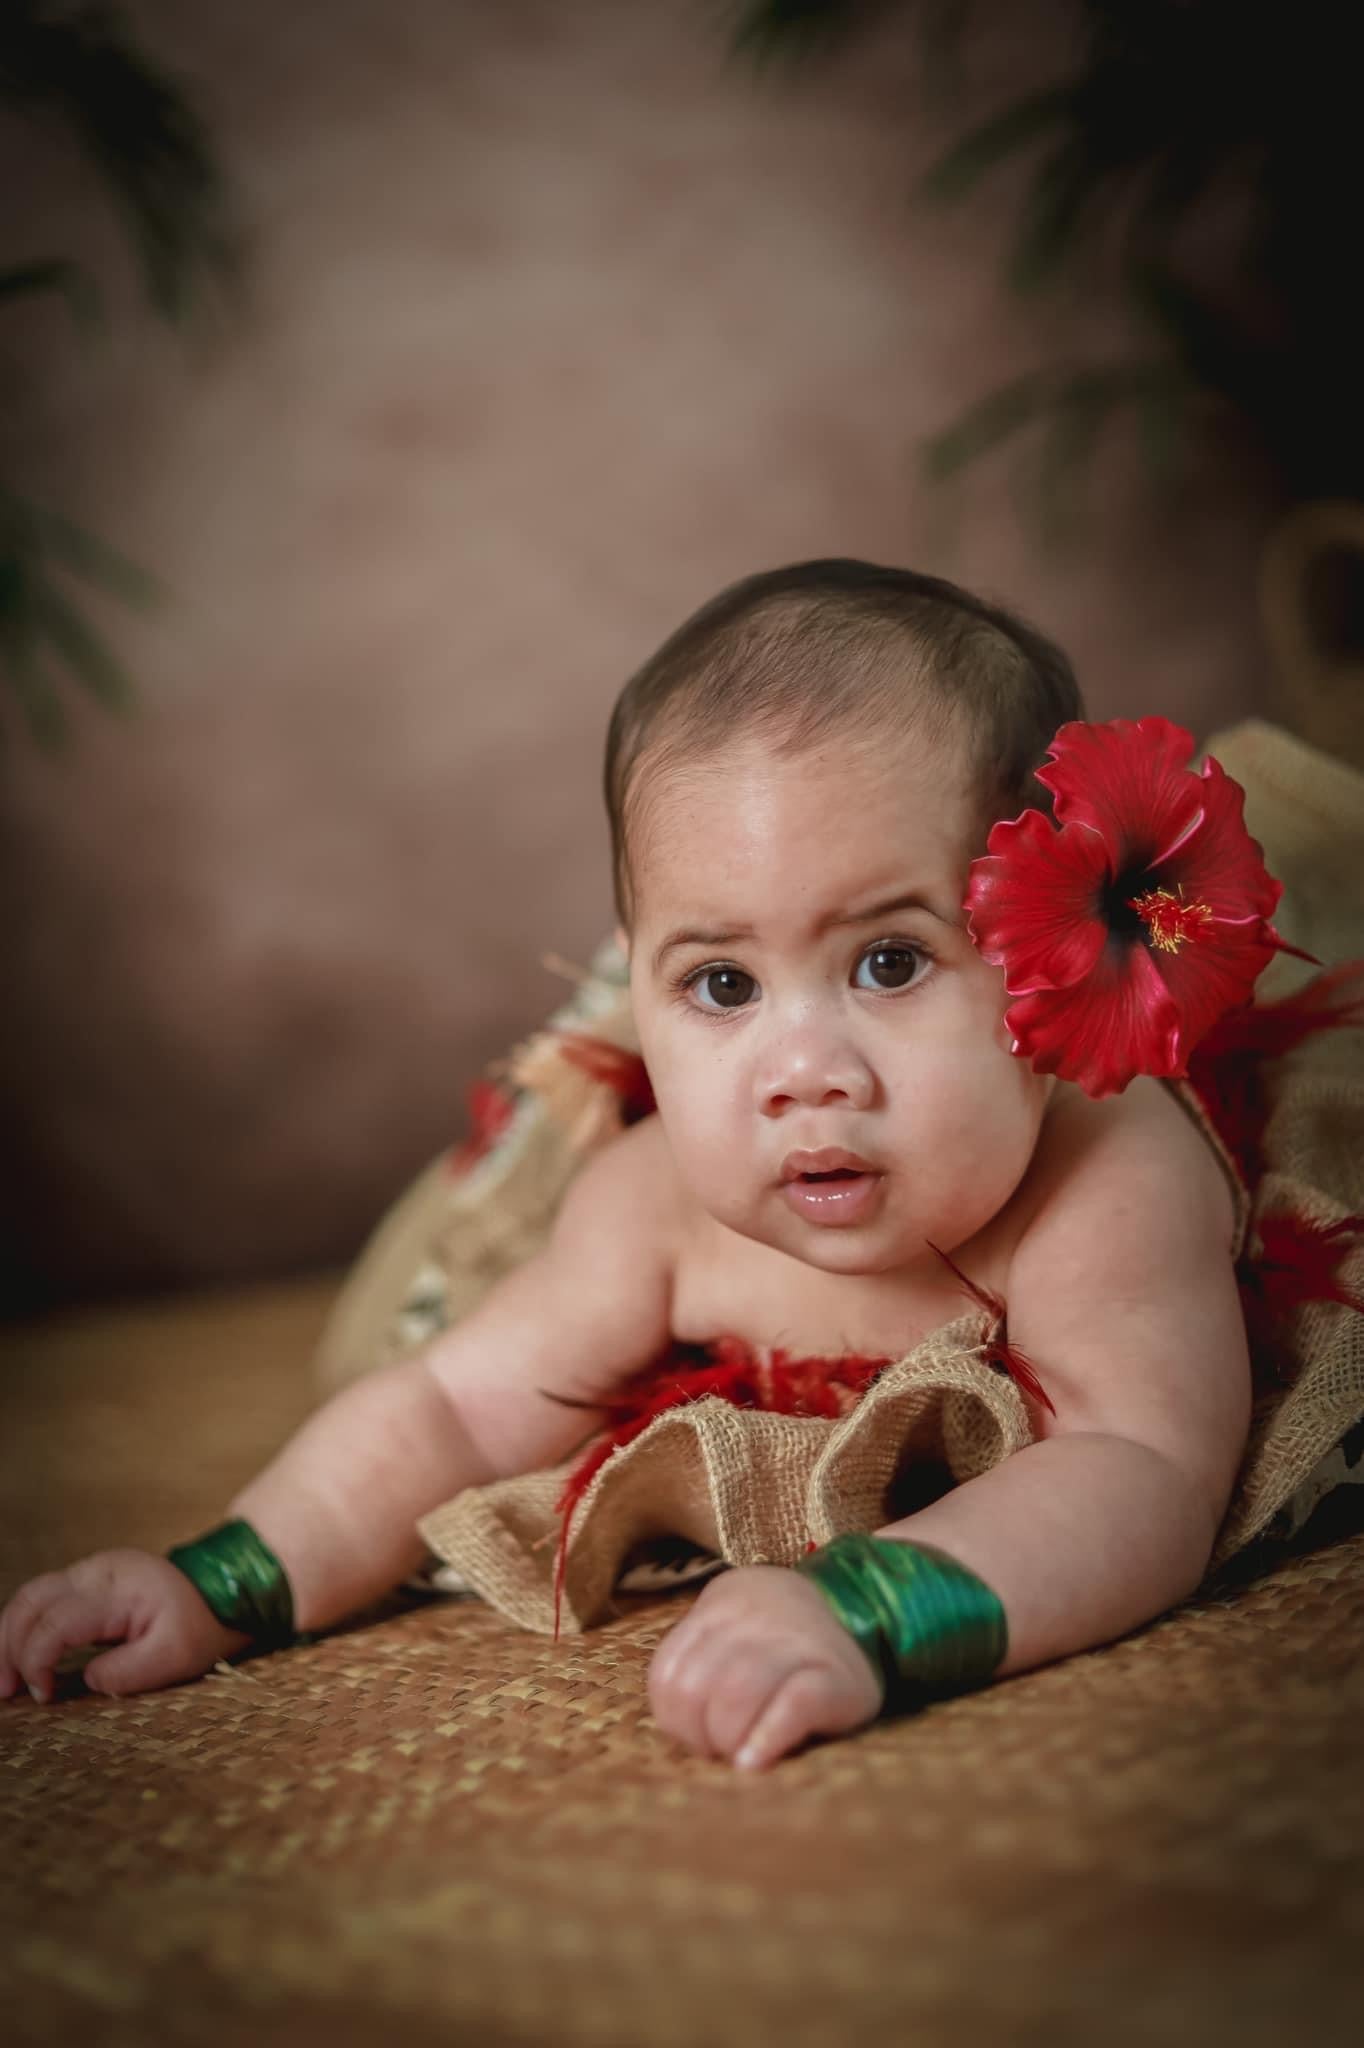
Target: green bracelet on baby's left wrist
<point>241,1582</point>
<point>926,1624</point>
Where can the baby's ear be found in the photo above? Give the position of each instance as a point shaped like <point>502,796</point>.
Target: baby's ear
<point>623,940</point>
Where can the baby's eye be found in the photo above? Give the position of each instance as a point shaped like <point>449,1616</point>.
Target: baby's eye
<point>723,988</point>
<point>889,967</point>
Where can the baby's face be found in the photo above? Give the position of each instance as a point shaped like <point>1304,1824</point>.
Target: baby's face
<point>826,1046</point>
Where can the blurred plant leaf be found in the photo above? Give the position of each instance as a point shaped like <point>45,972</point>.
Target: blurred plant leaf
<point>991,420</point>
<point>81,649</point>
<point>82,66</point>
<point>136,126</point>
<point>1081,409</point>
<point>1062,190</point>
<point>71,280</point>
<point>960,168</point>
<point>1214,346</point>
<point>39,620</point>
<point>768,29</point>
<point>92,558</point>
<point>1071,410</point>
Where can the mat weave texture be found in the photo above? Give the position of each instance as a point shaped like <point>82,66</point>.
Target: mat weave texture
<point>438,1828</point>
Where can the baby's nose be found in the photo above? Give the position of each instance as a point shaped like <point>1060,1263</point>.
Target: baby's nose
<point>810,1071</point>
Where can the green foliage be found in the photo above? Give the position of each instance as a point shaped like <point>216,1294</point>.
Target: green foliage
<point>81,67</point>
<point>68,280</point>
<point>786,29</point>
<point>40,554</point>
<point>1071,410</point>
<point>1200,160</point>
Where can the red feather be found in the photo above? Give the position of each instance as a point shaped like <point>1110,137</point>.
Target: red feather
<point>1227,1068</point>
<point>1298,1261</point>
<point>1000,1351</point>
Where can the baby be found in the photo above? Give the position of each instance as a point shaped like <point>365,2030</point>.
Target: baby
<point>797,783</point>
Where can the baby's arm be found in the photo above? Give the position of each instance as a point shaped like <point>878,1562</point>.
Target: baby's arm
<point>1125,1287</point>
<point>339,1503</point>
<point>1123,1295</point>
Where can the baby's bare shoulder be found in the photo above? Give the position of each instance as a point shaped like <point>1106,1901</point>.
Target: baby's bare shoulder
<point>1118,1176</point>
<point>622,1207</point>
<point>1122,1288</point>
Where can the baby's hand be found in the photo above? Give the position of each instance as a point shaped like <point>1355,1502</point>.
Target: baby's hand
<point>759,1665</point>
<point>163,1629</point>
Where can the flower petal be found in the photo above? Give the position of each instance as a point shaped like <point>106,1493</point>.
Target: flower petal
<point>1033,902</point>
<point>1119,1022</point>
<point>1215,973</point>
<point>1128,782</point>
<point>1219,863</point>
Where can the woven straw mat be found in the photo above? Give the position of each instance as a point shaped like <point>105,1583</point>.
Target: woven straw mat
<point>437,1827</point>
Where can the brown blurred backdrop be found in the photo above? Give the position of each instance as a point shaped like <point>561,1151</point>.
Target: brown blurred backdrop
<point>554,320</point>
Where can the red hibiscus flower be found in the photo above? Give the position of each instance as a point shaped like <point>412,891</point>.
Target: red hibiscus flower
<point>1129,926</point>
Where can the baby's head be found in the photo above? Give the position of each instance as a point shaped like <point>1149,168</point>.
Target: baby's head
<point>831,652</point>
<point>797,783</point>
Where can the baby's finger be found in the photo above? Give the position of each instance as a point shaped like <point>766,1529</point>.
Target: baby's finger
<point>65,1623</point>
<point>741,1690</point>
<point>144,1662</point>
<point>808,1702</point>
<point>676,1647</point>
<point>20,1617</point>
<point>680,1682</point>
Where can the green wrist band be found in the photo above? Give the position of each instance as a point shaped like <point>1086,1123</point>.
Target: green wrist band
<point>242,1582</point>
<point>926,1623</point>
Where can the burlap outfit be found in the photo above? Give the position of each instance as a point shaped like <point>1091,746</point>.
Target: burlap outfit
<point>759,1487</point>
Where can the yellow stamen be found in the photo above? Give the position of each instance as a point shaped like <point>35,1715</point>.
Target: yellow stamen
<point>1169,920</point>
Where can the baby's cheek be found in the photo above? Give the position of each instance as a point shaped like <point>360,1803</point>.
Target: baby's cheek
<point>984,1120</point>
<point>706,1132</point>
<point>711,1165</point>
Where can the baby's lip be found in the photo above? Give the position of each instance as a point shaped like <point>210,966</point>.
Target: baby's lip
<point>829,1159</point>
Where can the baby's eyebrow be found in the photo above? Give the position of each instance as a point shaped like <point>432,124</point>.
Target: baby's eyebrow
<point>908,901</point>
<point>694,935</point>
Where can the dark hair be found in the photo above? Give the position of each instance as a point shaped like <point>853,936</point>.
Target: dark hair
<point>827,646</point>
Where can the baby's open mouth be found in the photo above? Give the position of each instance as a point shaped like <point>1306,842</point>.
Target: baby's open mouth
<point>831,1186</point>
<point>828,1163</point>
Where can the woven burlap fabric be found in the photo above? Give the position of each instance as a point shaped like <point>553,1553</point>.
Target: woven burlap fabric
<point>754,1487</point>
<point>436,1827</point>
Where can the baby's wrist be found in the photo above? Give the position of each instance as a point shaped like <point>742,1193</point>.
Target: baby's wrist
<point>241,1582</point>
<point>927,1625</point>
